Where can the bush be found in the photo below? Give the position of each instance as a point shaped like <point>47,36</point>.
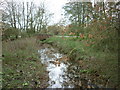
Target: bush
<point>10,33</point>
<point>104,36</point>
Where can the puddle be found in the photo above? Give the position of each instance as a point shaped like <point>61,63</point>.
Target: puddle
<point>61,73</point>
<point>57,69</point>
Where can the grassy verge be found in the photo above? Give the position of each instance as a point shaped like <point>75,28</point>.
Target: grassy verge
<point>21,65</point>
<point>99,66</point>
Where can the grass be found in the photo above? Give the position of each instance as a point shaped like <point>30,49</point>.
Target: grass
<point>102,62</point>
<point>21,65</point>
<point>70,47</point>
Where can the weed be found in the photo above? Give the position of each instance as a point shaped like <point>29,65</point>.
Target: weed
<point>96,59</point>
<point>21,64</point>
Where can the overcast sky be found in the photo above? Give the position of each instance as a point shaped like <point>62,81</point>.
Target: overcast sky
<point>54,6</point>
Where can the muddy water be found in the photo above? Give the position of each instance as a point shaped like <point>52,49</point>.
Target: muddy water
<point>62,74</point>
<point>57,69</point>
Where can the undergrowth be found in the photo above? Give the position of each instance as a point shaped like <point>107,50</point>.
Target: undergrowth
<point>94,59</point>
<point>21,65</point>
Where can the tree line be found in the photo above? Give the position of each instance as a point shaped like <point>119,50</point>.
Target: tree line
<point>83,13</point>
<point>97,24</point>
<point>26,17</point>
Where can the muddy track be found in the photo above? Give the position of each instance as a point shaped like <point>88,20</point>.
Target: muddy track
<point>62,73</point>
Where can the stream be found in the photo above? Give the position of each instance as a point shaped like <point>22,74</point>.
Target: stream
<point>57,67</point>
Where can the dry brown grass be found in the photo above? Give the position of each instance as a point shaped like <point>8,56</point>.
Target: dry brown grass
<point>20,44</point>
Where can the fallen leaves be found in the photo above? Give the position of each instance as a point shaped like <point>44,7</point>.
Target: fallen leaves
<point>71,33</point>
<point>82,36</point>
<point>64,58</point>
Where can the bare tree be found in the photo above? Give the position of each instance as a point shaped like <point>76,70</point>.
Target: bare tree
<point>29,18</point>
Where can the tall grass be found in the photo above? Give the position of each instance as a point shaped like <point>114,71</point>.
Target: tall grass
<point>21,64</point>
<point>94,60</point>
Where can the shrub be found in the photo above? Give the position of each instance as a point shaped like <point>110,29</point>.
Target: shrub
<point>10,33</point>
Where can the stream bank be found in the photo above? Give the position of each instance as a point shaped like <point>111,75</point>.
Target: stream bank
<point>62,72</point>
<point>99,68</point>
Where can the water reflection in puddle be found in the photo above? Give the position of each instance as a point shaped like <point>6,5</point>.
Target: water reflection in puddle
<point>57,69</point>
